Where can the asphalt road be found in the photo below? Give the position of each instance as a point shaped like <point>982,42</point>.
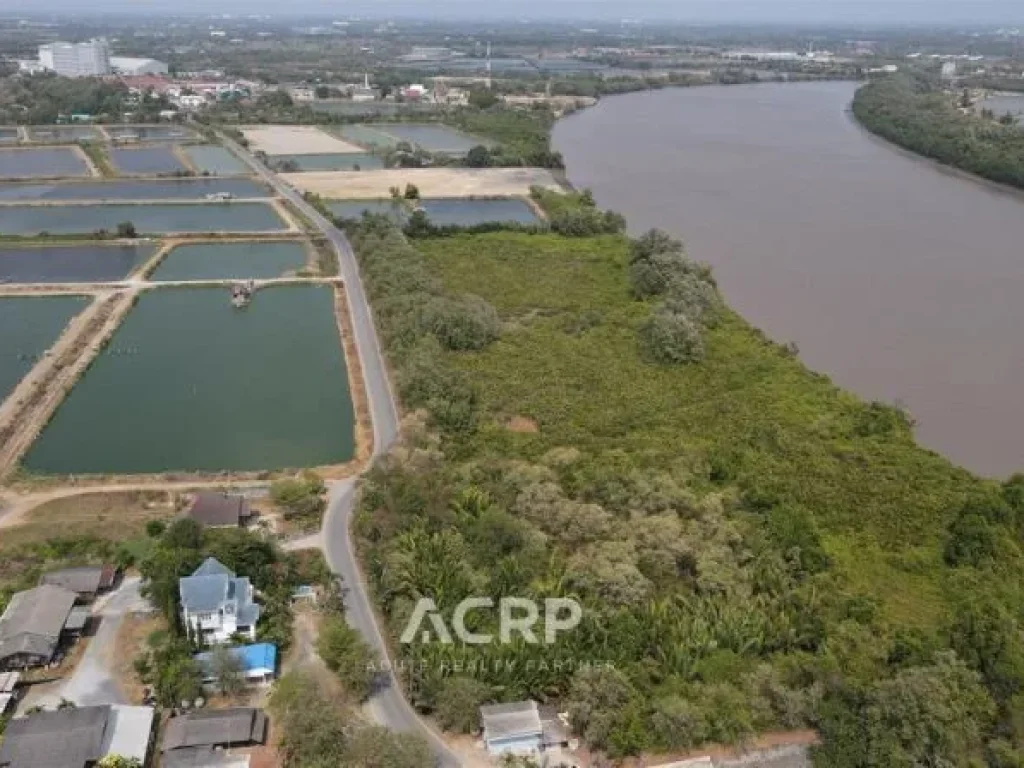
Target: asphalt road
<point>388,704</point>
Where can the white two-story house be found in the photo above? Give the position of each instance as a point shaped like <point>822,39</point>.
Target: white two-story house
<point>216,604</point>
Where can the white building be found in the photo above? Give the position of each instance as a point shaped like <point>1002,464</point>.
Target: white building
<point>217,604</point>
<point>133,67</point>
<point>76,59</point>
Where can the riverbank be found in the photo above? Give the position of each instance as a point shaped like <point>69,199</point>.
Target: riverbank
<point>892,276</point>
<point>922,118</point>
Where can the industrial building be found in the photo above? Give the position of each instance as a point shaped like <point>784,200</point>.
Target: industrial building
<point>89,59</point>
<point>131,66</point>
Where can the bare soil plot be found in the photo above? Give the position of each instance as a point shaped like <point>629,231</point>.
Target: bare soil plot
<point>296,140</point>
<point>431,182</point>
<point>115,516</point>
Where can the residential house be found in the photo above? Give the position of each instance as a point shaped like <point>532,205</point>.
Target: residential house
<point>521,728</point>
<point>32,626</point>
<point>77,737</point>
<point>86,581</point>
<point>259,662</point>
<point>238,727</point>
<point>216,604</point>
<point>219,510</point>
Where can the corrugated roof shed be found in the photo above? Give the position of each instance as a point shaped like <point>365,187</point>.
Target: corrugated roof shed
<point>521,718</point>
<point>128,731</point>
<point>219,509</point>
<point>33,621</point>
<point>243,725</point>
<point>86,580</point>
<point>258,656</point>
<point>66,738</point>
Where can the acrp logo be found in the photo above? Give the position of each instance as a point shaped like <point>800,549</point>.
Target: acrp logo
<point>516,615</point>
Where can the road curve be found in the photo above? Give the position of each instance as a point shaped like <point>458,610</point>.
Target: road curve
<point>388,704</point>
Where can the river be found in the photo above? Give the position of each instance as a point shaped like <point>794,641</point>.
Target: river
<point>900,280</point>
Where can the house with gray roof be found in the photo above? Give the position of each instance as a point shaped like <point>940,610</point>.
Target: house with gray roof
<point>32,624</point>
<point>220,510</point>
<point>521,728</point>
<point>86,581</point>
<point>238,727</point>
<point>77,737</point>
<point>217,604</point>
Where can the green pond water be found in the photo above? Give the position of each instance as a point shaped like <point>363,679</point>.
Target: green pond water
<point>215,160</point>
<point>227,261</point>
<point>189,382</point>
<point>28,327</point>
<point>153,219</point>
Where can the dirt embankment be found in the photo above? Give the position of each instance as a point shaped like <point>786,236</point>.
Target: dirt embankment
<point>354,368</point>
<point>29,407</point>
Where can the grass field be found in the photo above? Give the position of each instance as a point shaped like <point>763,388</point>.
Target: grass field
<point>570,362</point>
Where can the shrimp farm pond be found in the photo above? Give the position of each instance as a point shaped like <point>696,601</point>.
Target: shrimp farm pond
<point>191,383</point>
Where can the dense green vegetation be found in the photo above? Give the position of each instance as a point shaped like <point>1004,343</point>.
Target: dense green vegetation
<point>319,731</point>
<point>917,115</point>
<point>754,548</point>
<point>46,98</point>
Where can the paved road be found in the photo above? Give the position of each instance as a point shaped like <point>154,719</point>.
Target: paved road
<point>388,705</point>
<point>92,681</point>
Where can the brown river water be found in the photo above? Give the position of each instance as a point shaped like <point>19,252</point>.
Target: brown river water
<point>900,280</point>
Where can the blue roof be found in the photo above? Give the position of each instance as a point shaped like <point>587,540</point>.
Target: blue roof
<point>256,656</point>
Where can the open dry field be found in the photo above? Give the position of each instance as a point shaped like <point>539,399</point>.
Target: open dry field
<point>296,140</point>
<point>431,182</point>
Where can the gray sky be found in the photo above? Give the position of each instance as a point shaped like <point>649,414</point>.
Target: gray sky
<point>930,12</point>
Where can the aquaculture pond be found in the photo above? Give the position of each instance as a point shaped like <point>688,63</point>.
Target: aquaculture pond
<point>9,136</point>
<point>366,136</point>
<point>42,162</point>
<point>92,263</point>
<point>354,209</point>
<point>170,189</point>
<point>466,213</point>
<point>151,219</point>
<point>30,326</point>
<point>64,133</point>
<point>189,382</point>
<point>327,162</point>
<point>216,160</point>
<point>227,261</point>
<point>433,138</point>
<point>146,160</point>
<point>150,133</point>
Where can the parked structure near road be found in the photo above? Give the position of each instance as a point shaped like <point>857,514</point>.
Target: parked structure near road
<point>217,604</point>
<point>77,737</point>
<point>32,626</point>
<point>259,662</point>
<point>239,727</point>
<point>520,728</point>
<point>86,581</point>
<point>220,510</point>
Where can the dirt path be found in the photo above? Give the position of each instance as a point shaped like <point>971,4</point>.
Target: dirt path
<point>14,507</point>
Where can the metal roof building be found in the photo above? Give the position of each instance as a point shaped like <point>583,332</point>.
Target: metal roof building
<point>241,726</point>
<point>31,626</point>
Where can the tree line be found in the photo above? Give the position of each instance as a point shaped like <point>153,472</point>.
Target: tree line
<point>916,114</point>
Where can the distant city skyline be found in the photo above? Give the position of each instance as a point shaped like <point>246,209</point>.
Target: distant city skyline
<point>789,12</point>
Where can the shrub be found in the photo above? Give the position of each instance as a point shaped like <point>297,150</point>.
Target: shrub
<point>671,337</point>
